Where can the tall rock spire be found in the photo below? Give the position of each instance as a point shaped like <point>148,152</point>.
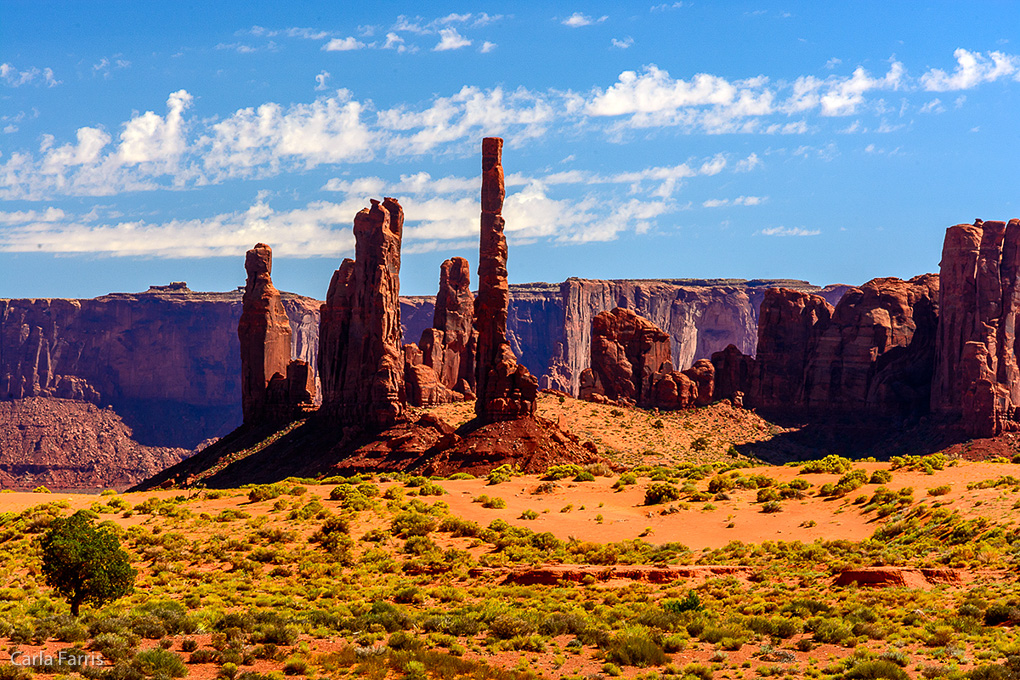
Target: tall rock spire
<point>272,386</point>
<point>505,389</point>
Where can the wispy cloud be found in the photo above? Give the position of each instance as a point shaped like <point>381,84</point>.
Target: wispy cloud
<point>739,200</point>
<point>623,44</point>
<point>343,44</point>
<point>577,20</point>
<point>789,231</point>
<point>15,77</point>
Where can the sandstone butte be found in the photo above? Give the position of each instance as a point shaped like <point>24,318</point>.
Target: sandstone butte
<point>630,364</point>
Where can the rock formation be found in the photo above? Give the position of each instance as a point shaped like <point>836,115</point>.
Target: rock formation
<point>272,386</point>
<point>505,389</point>
<point>733,373</point>
<point>626,351</point>
<point>976,375</point>
<point>73,445</point>
<point>166,360</point>
<point>786,325</point>
<point>876,352</point>
<point>360,362</point>
<point>630,364</point>
<point>440,369</point>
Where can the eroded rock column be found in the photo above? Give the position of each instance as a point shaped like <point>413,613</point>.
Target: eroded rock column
<point>360,358</point>
<point>505,389</point>
<point>272,386</point>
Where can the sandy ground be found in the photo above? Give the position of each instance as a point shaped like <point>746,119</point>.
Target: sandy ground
<point>594,511</point>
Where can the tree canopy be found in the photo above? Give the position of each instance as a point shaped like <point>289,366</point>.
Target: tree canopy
<point>85,564</point>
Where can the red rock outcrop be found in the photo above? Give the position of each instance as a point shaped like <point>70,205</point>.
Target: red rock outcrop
<point>733,373</point>
<point>272,386</point>
<point>447,349</point>
<point>876,352</point>
<point>73,445</point>
<point>360,361</point>
<point>505,389</point>
<point>626,351</point>
<point>787,323</point>
<point>976,376</point>
<point>631,365</point>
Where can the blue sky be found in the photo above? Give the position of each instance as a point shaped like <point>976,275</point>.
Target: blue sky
<point>144,142</point>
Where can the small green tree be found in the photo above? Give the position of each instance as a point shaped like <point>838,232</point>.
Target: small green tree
<point>85,564</point>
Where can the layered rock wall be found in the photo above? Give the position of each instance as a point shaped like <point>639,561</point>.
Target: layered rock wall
<point>167,360</point>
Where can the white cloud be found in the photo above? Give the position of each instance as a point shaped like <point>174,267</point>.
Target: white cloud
<point>664,6</point>
<point>739,200</point>
<point>972,69</point>
<point>343,44</point>
<point>469,114</point>
<point>253,142</point>
<point>748,164</point>
<point>319,229</point>
<point>487,47</point>
<point>789,231</point>
<point>623,44</point>
<point>150,137</point>
<point>240,48</point>
<point>833,63</point>
<point>577,19</point>
<point>320,80</point>
<point>13,77</point>
<point>51,214</point>
<point>450,40</point>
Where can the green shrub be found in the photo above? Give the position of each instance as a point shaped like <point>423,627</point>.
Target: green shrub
<point>880,477</point>
<point>940,490</point>
<point>504,473</point>
<point>634,649</point>
<point>872,669</point>
<point>159,663</point>
<point>661,492</point>
<point>830,464</point>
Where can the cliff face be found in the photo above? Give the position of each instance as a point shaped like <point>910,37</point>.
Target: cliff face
<point>167,360</point>
<point>549,325</point>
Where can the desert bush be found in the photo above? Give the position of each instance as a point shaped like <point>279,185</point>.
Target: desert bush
<point>830,464</point>
<point>412,523</point>
<point>504,473</point>
<point>875,668</point>
<point>880,477</point>
<point>661,492</point>
<point>159,663</point>
<point>634,648</point>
